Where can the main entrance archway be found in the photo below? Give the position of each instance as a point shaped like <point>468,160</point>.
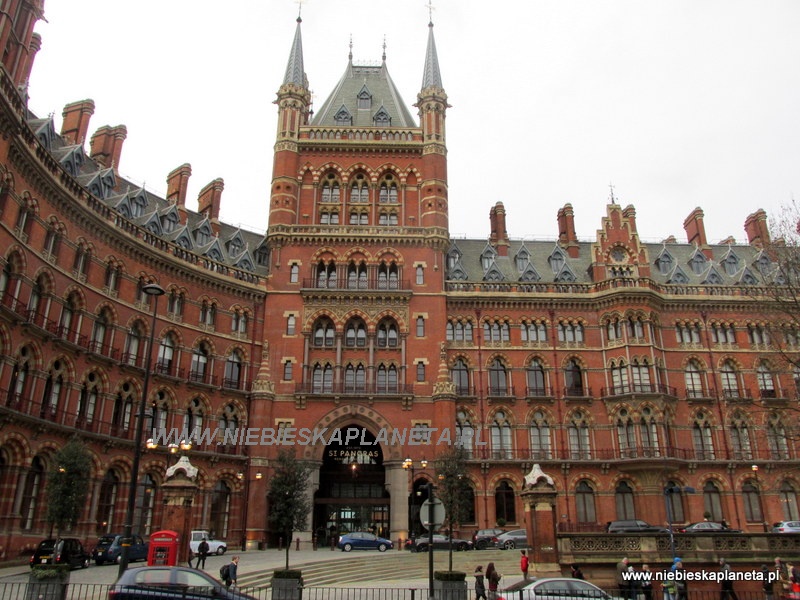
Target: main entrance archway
<point>352,494</point>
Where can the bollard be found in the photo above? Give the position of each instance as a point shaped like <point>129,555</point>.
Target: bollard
<point>297,544</point>
<point>333,543</point>
<point>399,543</point>
<point>280,544</point>
<point>314,543</point>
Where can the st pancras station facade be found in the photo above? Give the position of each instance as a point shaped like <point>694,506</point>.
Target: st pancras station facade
<point>646,380</point>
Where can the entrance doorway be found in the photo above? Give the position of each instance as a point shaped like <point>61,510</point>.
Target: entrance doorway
<point>352,493</point>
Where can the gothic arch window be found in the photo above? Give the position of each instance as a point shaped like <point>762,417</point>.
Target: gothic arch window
<point>570,332</point>
<point>239,321</point>
<point>144,522</point>
<point>578,434</point>
<point>322,379</point>
<point>465,432</point>
<point>751,499</point>
<point>788,500</point>
<point>740,438</point>
<point>541,444</point>
<point>648,432</point>
<point>777,439</point>
<point>359,217</point>
<point>100,330</point>
<point>619,377</point>
<point>702,438</point>
<point>324,333</point>
<point>502,445</point>
<point>326,275</point>
<point>359,190</point>
<point>175,301</point>
<point>459,331</point>
<point>208,313</point>
<point>387,378</point>
<point>758,334</point>
<point>687,333</point>
<point>730,380</point>
<point>664,263</point>
<point>556,260</point>
<point>229,423</point>
<point>54,390</point>
<point>106,503</point>
<point>585,503</point>
<point>505,508</point>
<point>387,334</point>
<point>388,276</point>
<point>20,378</point>
<point>626,434</point>
<point>531,331</point>
<point>573,379</point>
<point>459,374</point>
<point>160,413</point>
<point>87,402</point>
<point>330,189</point>
<point>536,379</point>
<point>712,501</point>
<point>623,497</point>
<point>220,509</point>
<point>134,346</point>
<point>693,380</point>
<point>68,311</point>
<point>122,416</point>
<point>498,378</point>
<point>635,328</point>
<point>31,493</point>
<point>496,331</point>
<point>52,242</point>
<point>640,370</point>
<point>166,354</point>
<point>766,383</point>
<point>357,275</point>
<point>355,333</point>
<point>675,502</point>
<point>697,263</point>
<point>234,365</point>
<point>38,290</point>
<point>355,379</point>
<point>193,419</point>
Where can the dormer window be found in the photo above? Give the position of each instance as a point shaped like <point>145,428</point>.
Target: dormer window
<point>731,263</point>
<point>343,117</point>
<point>697,262</point>
<point>203,235</point>
<point>382,118</point>
<point>522,260</point>
<point>664,263</point>
<point>556,260</point>
<point>364,99</point>
<point>487,258</point>
<point>170,222</point>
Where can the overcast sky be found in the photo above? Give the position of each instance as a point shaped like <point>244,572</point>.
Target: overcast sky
<point>678,103</point>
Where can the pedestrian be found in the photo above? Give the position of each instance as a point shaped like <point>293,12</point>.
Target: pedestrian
<point>191,556</point>
<point>726,589</point>
<point>646,582</point>
<point>202,553</point>
<point>576,571</point>
<point>480,587</point>
<point>232,574</point>
<point>767,584</point>
<point>633,583</point>
<point>523,564</point>
<point>493,578</point>
<point>681,588</point>
<point>622,579</point>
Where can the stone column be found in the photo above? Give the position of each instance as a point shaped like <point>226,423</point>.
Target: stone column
<point>397,485</point>
<point>179,491</point>
<point>539,500</point>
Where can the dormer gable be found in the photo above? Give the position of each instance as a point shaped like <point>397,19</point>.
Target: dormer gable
<point>100,184</point>
<point>557,259</point>
<point>73,159</point>
<point>183,239</point>
<point>45,132</point>
<point>730,262</point>
<point>529,274</point>
<point>522,258</point>
<point>713,277</point>
<point>153,225</point>
<point>565,275</point>
<point>203,233</point>
<point>364,98</point>
<point>665,261</point>
<point>748,277</point>
<point>488,257</point>
<point>493,273</point>
<point>678,276</point>
<point>382,118</point>
<point>170,219</point>
<point>343,116</point>
<point>698,262</point>
<point>235,244</point>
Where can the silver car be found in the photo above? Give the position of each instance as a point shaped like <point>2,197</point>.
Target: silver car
<point>516,538</point>
<point>556,588</point>
<point>786,527</point>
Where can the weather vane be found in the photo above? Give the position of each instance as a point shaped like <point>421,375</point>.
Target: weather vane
<point>611,195</point>
<point>299,7</point>
<point>431,8</point>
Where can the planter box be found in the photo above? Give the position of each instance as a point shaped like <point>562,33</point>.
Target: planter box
<point>450,590</point>
<point>286,589</point>
<point>54,587</point>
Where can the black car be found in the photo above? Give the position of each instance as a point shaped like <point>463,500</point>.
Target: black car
<point>440,542</point>
<point>486,538</point>
<point>61,551</point>
<point>633,526</point>
<point>708,527</point>
<point>170,583</point>
<point>109,549</point>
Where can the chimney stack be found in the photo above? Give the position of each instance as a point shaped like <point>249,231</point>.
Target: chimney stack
<point>696,231</point>
<point>756,228</point>
<point>209,201</point>
<point>106,145</point>
<point>177,185</point>
<point>75,125</point>
<point>566,231</point>
<point>499,234</point>
<point>629,212</point>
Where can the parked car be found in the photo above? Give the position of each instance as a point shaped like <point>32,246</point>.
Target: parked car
<point>170,583</point>
<point>214,546</point>
<point>708,527</point>
<point>516,538</point>
<point>363,540</point>
<point>440,542</point>
<point>486,538</point>
<point>61,551</point>
<point>555,588</point>
<point>109,549</point>
<point>634,526</point>
<point>786,527</point>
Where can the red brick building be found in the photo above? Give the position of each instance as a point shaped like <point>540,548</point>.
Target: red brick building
<point>621,367</point>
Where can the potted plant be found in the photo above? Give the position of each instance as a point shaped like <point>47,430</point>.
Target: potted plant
<point>48,582</point>
<point>450,585</point>
<point>287,584</point>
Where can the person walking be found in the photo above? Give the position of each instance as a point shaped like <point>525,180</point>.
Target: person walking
<point>646,582</point>
<point>726,589</point>
<point>767,585</point>
<point>681,587</point>
<point>232,574</point>
<point>202,553</point>
<point>576,571</point>
<point>523,564</point>
<point>480,587</point>
<point>622,580</point>
<point>493,578</point>
<point>191,556</point>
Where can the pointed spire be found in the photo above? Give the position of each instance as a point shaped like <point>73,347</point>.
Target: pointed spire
<point>431,76</point>
<point>295,72</point>
<point>384,49</point>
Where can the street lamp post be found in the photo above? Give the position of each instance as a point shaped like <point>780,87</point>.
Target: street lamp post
<point>155,290</point>
<point>408,465</point>
<point>760,499</point>
<point>668,491</point>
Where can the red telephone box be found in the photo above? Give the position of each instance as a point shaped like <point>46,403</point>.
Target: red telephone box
<point>163,551</point>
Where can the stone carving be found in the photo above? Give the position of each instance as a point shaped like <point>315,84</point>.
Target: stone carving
<point>184,465</point>
<point>536,474</point>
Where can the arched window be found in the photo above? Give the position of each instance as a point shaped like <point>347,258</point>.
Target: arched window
<point>359,191</point>
<point>626,435</point>
<point>175,303</point>
<point>504,506</point>
<point>233,370</point>
<point>322,379</point>
<point>584,503</point>
<point>460,376</point>
<point>388,276</point>
<point>357,275</point>
<point>160,411</point>
<point>37,292</point>
<point>730,380</point>
<point>291,325</point>
<point>641,376</point>
<point>330,191</point>
<point>702,438</point>
<point>693,380</point>
<point>623,498</point>
<point>220,508</point>
<point>541,448</point>
<point>355,334</point>
<point>31,491</point>
<point>324,332</point>
<point>166,354</point>
<point>228,424</point>
<point>67,312</point>
<point>766,383</point>
<point>788,499</point>
<point>536,382</point>
<point>578,433</point>
<point>87,402</point>
<point>387,379</point>
<point>501,436</point>
<point>498,378</point>
<point>208,313</point>
<point>193,419</point>
<point>355,379</point>
<point>387,334</point>
<point>326,275</point>
<point>465,432</point>
<point>740,438</point>
<point>648,431</point>
<point>751,499</point>
<point>106,503</point>
<point>147,496</point>
<point>199,367</point>
<point>712,501</point>
<point>134,348</point>
<point>776,438</point>
<point>54,389</point>
<point>573,379</point>
<point>619,377</point>
<point>675,502</point>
